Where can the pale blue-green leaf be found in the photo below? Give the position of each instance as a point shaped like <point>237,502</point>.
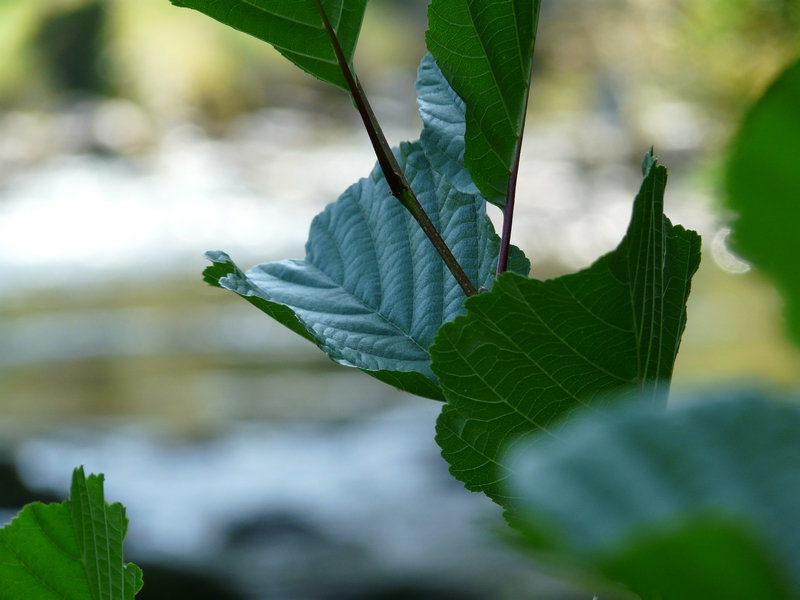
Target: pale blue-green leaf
<point>372,291</point>
<point>443,116</point>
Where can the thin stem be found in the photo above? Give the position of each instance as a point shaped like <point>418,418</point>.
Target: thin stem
<point>398,184</point>
<point>508,209</point>
<point>511,194</point>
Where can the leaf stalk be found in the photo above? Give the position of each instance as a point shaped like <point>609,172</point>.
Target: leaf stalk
<point>511,193</point>
<point>398,184</point>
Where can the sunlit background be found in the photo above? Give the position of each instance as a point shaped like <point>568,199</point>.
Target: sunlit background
<point>135,135</point>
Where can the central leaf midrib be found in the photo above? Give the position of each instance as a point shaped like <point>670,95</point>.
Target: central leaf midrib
<point>653,214</point>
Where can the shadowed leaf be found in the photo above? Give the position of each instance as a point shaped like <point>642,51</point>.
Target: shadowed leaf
<point>294,29</point>
<point>530,352</point>
<point>485,50</point>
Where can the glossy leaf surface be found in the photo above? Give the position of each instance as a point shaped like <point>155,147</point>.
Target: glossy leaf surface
<point>68,551</point>
<point>372,291</point>
<point>485,51</point>
<point>763,185</point>
<point>700,502</point>
<point>528,353</point>
<point>294,29</point>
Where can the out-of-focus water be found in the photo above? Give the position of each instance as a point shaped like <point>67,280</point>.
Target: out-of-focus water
<point>238,448</point>
<point>291,510</point>
<point>102,301</point>
<point>73,216</point>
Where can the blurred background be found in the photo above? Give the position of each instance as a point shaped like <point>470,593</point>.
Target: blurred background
<point>135,135</point>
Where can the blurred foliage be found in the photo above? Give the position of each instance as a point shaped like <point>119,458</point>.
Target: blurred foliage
<point>716,52</point>
<point>763,188</point>
<point>709,50</point>
<point>71,43</point>
<point>695,503</point>
<point>632,58</point>
<point>167,59</point>
<point>734,333</point>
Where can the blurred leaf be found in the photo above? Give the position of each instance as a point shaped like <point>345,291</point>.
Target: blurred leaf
<point>372,291</point>
<point>530,352</point>
<point>294,29</point>
<point>68,551</point>
<point>763,185</point>
<point>485,50</point>
<point>18,24</point>
<point>701,502</point>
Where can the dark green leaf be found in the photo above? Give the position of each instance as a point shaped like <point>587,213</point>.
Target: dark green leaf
<point>294,28</point>
<point>372,291</point>
<point>696,503</point>
<point>530,352</point>
<point>485,51</point>
<point>68,551</point>
<point>763,185</point>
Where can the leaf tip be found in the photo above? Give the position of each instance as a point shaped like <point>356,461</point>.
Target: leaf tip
<point>79,478</point>
<point>221,266</point>
<point>648,162</point>
<point>217,256</point>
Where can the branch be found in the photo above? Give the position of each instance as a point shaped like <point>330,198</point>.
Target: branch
<point>398,184</point>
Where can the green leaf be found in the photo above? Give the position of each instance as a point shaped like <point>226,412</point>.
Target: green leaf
<point>372,291</point>
<point>294,29</point>
<point>530,352</point>
<point>485,51</point>
<point>701,502</point>
<point>68,551</point>
<point>763,187</point>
